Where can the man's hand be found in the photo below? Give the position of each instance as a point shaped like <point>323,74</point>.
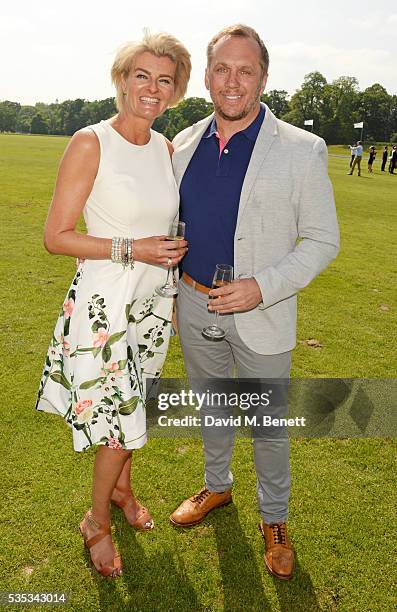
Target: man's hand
<point>238,296</point>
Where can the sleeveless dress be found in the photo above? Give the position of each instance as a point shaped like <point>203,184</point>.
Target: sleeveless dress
<point>113,329</point>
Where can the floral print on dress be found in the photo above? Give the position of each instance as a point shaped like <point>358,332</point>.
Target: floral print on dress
<point>118,389</point>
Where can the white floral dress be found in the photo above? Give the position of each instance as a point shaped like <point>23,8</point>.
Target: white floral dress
<point>113,329</point>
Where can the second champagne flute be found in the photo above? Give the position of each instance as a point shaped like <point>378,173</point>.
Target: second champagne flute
<point>177,232</point>
<point>223,276</point>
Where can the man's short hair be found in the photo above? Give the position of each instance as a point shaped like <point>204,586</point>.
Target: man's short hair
<point>245,32</point>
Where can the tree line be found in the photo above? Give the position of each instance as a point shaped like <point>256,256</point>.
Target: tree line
<point>333,107</point>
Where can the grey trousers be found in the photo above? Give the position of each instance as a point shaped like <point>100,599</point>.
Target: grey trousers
<point>225,359</point>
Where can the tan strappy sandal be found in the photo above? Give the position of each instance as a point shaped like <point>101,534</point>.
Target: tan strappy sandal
<point>143,520</point>
<point>103,531</point>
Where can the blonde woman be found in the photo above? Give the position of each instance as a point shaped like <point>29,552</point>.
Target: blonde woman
<point>113,329</point>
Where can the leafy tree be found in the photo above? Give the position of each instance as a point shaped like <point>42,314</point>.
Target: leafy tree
<point>187,112</point>
<point>24,119</point>
<point>39,125</point>
<point>309,102</point>
<point>8,116</point>
<point>73,118</point>
<point>277,101</point>
<point>376,109</point>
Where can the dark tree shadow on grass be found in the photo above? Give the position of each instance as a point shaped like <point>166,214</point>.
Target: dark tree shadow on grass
<point>149,582</point>
<point>241,577</point>
<point>297,594</point>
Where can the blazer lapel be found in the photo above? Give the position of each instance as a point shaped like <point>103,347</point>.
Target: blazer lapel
<point>263,143</point>
<point>182,156</point>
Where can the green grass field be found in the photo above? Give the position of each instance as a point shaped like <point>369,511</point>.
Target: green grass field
<point>344,494</point>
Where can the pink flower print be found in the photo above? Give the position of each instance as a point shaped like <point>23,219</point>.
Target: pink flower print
<point>82,405</point>
<point>114,443</point>
<point>114,368</point>
<point>100,338</point>
<point>84,410</point>
<point>68,306</point>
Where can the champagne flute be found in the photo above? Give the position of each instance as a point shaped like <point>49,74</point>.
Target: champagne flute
<point>223,275</point>
<point>169,289</point>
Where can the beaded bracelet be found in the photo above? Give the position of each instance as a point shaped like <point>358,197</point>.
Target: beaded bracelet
<point>123,251</point>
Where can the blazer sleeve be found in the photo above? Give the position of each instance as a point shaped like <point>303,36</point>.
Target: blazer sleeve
<point>318,234</point>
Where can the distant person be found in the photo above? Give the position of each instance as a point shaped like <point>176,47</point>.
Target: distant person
<point>353,150</point>
<point>384,159</point>
<point>372,155</point>
<point>113,330</point>
<point>357,159</point>
<point>393,159</point>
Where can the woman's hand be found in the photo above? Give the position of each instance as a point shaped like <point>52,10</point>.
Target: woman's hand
<point>158,251</point>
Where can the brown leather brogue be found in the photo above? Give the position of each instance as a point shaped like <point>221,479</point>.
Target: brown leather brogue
<point>279,552</point>
<point>193,510</point>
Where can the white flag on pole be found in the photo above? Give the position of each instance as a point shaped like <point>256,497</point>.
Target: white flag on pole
<point>359,125</point>
<point>308,122</point>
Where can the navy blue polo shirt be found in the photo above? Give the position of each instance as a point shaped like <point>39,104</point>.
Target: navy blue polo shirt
<point>210,195</point>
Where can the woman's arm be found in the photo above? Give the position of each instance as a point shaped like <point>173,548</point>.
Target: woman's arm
<point>77,172</point>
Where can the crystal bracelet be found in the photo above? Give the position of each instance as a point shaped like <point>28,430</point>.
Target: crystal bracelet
<point>123,251</point>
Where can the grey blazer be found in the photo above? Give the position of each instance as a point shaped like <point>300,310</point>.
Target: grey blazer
<point>287,230</point>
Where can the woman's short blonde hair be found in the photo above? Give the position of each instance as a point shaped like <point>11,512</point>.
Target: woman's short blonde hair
<point>161,45</point>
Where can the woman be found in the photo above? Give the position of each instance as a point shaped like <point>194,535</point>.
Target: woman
<point>372,155</point>
<point>113,329</point>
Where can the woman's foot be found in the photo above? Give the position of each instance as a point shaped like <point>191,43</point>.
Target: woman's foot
<point>98,540</point>
<point>137,515</point>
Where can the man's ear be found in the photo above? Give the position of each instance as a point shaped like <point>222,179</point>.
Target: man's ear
<point>207,79</point>
<point>264,81</point>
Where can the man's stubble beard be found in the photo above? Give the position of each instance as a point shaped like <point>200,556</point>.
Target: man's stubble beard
<point>245,112</point>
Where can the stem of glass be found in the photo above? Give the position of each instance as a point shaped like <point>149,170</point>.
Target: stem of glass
<point>167,282</point>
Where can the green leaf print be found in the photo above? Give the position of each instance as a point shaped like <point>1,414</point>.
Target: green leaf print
<point>115,337</point>
<point>106,353</point>
<point>159,341</point>
<point>97,325</point>
<point>129,406</point>
<point>90,383</point>
<point>66,327</point>
<point>60,378</point>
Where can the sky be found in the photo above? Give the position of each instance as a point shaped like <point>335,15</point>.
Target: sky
<point>56,51</point>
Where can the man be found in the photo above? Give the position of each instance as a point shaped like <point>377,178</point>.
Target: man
<point>250,187</point>
<point>357,159</point>
<point>384,159</point>
<point>393,159</point>
<point>353,150</point>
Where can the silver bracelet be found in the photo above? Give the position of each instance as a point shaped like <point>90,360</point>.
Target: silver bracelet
<point>130,252</point>
<point>116,253</point>
<point>123,251</point>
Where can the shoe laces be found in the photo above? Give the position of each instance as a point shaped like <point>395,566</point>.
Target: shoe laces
<point>200,497</point>
<point>279,533</point>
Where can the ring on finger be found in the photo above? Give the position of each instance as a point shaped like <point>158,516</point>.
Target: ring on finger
<point>169,261</point>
